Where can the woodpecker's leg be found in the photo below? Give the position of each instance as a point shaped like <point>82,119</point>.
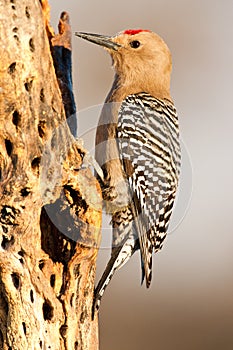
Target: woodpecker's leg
<point>120,255</point>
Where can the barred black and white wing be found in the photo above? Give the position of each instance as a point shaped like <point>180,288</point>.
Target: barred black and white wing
<point>148,141</point>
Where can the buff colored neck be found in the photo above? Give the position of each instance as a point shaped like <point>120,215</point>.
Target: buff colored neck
<point>127,85</point>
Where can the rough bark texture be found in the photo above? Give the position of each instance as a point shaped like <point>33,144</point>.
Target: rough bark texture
<point>50,208</point>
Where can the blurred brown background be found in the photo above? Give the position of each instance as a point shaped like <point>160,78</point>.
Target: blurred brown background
<point>190,303</point>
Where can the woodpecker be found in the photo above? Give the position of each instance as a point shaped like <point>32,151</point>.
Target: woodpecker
<point>138,148</point>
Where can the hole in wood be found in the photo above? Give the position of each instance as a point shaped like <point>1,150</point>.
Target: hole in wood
<point>8,215</point>
<point>41,264</point>
<point>24,327</point>
<point>76,345</point>
<point>16,280</point>
<point>36,164</point>
<point>32,45</point>
<point>11,68</point>
<point>32,296</point>
<point>47,310</point>
<point>16,38</point>
<point>13,7</point>
<point>41,128</point>
<point>15,30</point>
<point>28,85</point>
<point>71,299</point>
<point>7,242</point>
<point>27,13</point>
<point>41,344</point>
<point>52,280</point>
<point>9,147</point>
<point>63,330</point>
<point>25,192</point>
<point>21,253</point>
<point>16,118</point>
<point>42,96</point>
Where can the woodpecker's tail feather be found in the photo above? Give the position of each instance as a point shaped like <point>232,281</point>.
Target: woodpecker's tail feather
<point>143,229</point>
<point>120,255</point>
<point>148,275</point>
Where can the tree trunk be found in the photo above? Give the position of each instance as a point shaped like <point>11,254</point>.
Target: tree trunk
<point>50,208</point>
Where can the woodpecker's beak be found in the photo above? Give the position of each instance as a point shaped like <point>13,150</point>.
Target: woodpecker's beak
<point>101,40</point>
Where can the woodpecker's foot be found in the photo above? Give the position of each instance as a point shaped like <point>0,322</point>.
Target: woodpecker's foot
<point>109,193</point>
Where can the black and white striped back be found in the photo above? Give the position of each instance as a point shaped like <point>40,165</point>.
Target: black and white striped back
<point>149,148</point>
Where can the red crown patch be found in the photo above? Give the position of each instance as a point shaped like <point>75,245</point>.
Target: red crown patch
<point>135,31</point>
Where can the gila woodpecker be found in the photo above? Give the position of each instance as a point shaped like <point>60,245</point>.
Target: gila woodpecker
<point>138,149</point>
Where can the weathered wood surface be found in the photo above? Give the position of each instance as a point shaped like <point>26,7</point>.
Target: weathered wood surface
<point>50,208</point>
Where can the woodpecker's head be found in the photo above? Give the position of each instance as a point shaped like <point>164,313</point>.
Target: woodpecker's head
<point>140,57</point>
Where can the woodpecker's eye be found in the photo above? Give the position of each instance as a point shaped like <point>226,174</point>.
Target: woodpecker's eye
<point>135,44</point>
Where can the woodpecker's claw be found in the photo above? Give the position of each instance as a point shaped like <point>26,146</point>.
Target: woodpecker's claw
<point>89,159</point>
